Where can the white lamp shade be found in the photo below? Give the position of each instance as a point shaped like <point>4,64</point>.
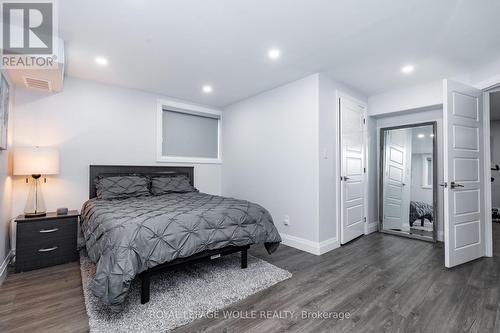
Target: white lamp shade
<point>36,161</point>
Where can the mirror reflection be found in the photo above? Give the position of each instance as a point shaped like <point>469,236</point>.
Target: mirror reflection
<point>407,183</point>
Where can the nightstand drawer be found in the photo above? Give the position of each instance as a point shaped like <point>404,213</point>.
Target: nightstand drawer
<point>33,257</point>
<point>50,229</point>
<point>44,246</point>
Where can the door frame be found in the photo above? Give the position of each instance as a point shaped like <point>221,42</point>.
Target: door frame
<point>381,152</point>
<point>488,205</point>
<point>338,152</point>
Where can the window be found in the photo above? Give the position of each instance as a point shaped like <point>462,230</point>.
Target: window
<point>188,133</point>
<point>427,168</point>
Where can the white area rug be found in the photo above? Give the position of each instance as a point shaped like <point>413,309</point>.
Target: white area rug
<point>428,226</point>
<point>182,295</point>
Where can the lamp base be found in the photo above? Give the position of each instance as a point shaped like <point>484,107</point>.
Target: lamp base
<point>28,215</point>
<point>35,205</point>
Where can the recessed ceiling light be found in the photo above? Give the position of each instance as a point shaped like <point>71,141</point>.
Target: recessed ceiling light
<point>421,136</point>
<point>101,61</point>
<point>274,54</point>
<point>408,69</point>
<point>207,89</point>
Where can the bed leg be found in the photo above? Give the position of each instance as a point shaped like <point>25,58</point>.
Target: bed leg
<point>145,284</point>
<point>244,258</point>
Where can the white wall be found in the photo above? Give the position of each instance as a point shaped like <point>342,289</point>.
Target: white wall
<point>430,94</point>
<point>413,118</point>
<point>273,145</point>
<point>418,193</point>
<point>372,171</point>
<point>91,123</point>
<point>329,163</point>
<point>5,208</point>
<point>6,193</point>
<point>410,98</point>
<point>280,150</point>
<point>270,155</point>
<point>420,147</point>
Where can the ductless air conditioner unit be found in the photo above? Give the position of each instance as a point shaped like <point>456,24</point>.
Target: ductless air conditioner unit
<point>40,84</point>
<point>41,79</point>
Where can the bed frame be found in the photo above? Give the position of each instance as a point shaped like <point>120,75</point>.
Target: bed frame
<point>109,170</point>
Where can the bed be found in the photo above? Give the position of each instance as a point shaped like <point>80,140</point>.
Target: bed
<point>420,211</point>
<point>140,236</point>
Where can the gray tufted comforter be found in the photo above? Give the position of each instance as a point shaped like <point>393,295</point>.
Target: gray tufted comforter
<point>127,236</point>
<point>419,210</point>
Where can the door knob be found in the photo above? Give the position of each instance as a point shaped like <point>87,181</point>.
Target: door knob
<point>445,184</point>
<point>346,178</point>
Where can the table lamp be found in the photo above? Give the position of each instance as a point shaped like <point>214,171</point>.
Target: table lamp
<point>35,161</point>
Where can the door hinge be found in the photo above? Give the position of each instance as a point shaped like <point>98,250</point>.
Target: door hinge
<point>364,219</point>
<point>364,170</point>
<point>364,120</point>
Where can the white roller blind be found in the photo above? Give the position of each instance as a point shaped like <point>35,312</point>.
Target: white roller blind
<point>192,134</point>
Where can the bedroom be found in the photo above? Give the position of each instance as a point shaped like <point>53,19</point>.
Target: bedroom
<point>285,116</point>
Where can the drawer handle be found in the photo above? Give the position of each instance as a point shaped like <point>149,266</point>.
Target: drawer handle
<point>48,249</point>
<point>46,231</point>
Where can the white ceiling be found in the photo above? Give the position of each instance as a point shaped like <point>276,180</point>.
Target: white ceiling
<point>423,144</point>
<point>426,131</point>
<point>174,47</point>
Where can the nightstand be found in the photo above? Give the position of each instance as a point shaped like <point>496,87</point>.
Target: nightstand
<point>46,241</point>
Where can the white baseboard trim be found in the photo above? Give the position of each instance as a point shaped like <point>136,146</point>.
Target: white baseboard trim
<point>371,227</point>
<point>440,236</point>
<point>317,248</point>
<point>300,243</point>
<point>328,245</point>
<point>3,266</point>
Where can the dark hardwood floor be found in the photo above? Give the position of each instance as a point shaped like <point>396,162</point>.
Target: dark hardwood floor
<point>44,300</point>
<point>384,282</point>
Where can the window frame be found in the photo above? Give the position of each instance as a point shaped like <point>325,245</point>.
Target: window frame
<point>425,170</point>
<point>187,109</point>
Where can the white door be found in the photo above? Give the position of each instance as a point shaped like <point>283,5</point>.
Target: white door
<point>352,127</point>
<point>463,174</point>
<point>397,179</point>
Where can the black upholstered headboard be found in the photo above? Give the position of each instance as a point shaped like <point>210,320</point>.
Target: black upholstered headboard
<point>101,170</point>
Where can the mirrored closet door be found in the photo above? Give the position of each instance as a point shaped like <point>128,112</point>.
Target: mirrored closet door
<point>407,182</point>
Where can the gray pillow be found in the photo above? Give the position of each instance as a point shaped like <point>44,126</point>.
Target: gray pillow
<point>117,187</point>
<point>171,184</point>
